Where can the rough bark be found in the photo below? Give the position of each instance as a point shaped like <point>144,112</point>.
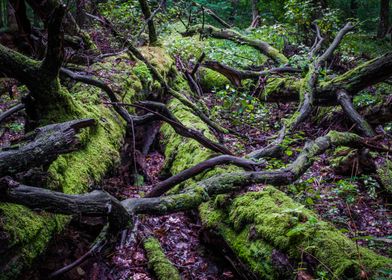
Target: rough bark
<point>145,7</point>
<point>355,117</point>
<point>353,81</point>
<point>44,146</point>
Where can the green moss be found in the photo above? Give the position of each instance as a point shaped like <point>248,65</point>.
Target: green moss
<point>276,221</point>
<point>157,261</point>
<point>73,172</point>
<point>385,174</point>
<point>256,224</point>
<point>276,86</point>
<point>210,79</point>
<point>187,151</point>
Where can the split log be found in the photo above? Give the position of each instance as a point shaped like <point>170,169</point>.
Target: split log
<point>44,146</point>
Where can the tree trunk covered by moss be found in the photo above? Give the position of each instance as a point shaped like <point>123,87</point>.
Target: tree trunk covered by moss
<point>26,232</point>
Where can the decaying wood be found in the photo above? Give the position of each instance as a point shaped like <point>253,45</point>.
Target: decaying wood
<point>163,113</point>
<point>236,76</point>
<point>167,184</point>
<point>96,203</point>
<point>102,204</point>
<point>348,107</point>
<point>44,146</point>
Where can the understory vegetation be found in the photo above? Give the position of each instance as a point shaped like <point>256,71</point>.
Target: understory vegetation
<point>208,139</point>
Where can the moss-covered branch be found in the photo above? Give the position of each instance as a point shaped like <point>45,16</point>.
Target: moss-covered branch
<point>157,261</point>
<point>229,34</point>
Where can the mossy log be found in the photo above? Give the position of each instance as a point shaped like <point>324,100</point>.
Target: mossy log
<point>157,261</point>
<point>287,89</point>
<point>232,35</point>
<point>24,233</point>
<point>266,227</point>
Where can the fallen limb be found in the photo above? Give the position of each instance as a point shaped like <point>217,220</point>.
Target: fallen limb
<point>236,75</point>
<point>11,111</point>
<point>229,34</point>
<point>46,143</point>
<point>348,107</point>
<point>167,184</point>
<point>94,204</point>
<point>163,113</point>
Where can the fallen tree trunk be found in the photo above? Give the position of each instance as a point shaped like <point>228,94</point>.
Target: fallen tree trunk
<point>232,35</point>
<point>44,146</point>
<point>367,74</point>
<point>26,233</point>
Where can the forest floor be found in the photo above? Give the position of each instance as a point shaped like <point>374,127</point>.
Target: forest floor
<point>360,211</point>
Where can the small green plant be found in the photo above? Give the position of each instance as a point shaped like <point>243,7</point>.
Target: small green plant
<point>347,190</point>
<point>371,186</point>
<point>16,127</point>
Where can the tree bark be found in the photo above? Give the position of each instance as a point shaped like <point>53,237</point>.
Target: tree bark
<point>145,7</point>
<point>383,25</point>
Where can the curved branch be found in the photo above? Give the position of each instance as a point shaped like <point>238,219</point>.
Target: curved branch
<point>236,75</point>
<point>136,120</point>
<point>167,184</point>
<point>339,37</point>
<point>163,113</point>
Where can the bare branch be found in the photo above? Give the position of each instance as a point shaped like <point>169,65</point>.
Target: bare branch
<point>361,124</point>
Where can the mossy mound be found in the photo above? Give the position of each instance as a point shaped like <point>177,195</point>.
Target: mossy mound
<point>212,80</point>
<point>26,232</point>
<point>255,224</point>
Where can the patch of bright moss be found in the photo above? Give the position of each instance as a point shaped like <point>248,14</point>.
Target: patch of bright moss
<point>279,222</point>
<point>210,79</point>
<point>158,262</point>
